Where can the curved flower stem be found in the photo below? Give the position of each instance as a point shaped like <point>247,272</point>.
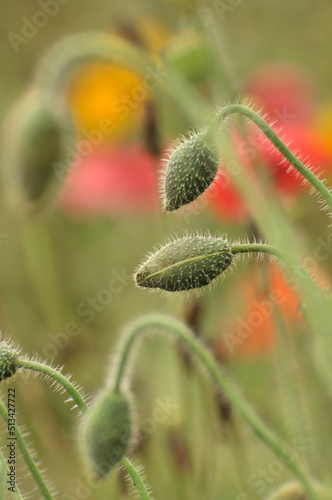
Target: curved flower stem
<point>83,406</point>
<point>60,62</point>
<point>62,59</point>
<point>33,467</point>
<point>136,478</point>
<point>164,323</point>
<point>279,144</point>
<point>57,376</point>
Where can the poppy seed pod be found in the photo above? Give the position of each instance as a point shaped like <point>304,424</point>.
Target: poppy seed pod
<point>184,264</point>
<point>8,361</point>
<point>191,169</point>
<point>107,431</point>
<point>294,491</point>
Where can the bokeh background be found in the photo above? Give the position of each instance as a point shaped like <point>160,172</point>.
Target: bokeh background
<point>108,216</point>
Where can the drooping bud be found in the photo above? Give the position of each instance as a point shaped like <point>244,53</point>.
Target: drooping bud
<point>191,169</point>
<point>294,491</point>
<point>36,138</point>
<point>8,361</point>
<point>185,264</point>
<point>107,431</point>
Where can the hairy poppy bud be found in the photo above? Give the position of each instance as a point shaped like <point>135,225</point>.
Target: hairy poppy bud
<point>191,169</point>
<point>36,138</point>
<point>8,361</point>
<point>107,431</point>
<point>294,491</point>
<point>184,264</point>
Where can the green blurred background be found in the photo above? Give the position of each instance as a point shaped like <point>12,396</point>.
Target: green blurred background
<point>51,264</point>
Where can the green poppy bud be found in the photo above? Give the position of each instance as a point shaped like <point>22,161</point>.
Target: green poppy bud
<point>107,431</point>
<point>184,264</point>
<point>36,144</point>
<point>8,361</point>
<point>294,491</point>
<point>191,169</point>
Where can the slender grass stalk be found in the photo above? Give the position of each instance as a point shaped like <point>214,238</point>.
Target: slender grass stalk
<point>39,255</point>
<point>280,145</point>
<point>164,323</point>
<point>4,471</point>
<point>33,467</point>
<point>83,406</point>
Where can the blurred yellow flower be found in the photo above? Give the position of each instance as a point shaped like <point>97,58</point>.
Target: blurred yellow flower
<point>106,92</point>
<point>102,91</point>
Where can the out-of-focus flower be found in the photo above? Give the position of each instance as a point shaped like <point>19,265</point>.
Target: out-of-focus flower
<point>102,91</point>
<point>254,331</point>
<point>109,103</point>
<point>287,96</point>
<point>283,91</point>
<point>322,131</point>
<point>227,201</point>
<point>117,180</point>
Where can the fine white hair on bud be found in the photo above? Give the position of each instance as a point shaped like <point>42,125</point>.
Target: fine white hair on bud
<point>107,431</point>
<point>185,264</point>
<point>189,171</point>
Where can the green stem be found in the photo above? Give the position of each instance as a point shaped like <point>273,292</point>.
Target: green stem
<point>60,62</point>
<point>33,467</point>
<point>136,478</point>
<point>161,322</point>
<point>62,59</point>
<point>83,406</point>
<point>279,144</point>
<point>3,474</point>
<point>58,377</point>
<point>256,247</point>
<point>42,272</point>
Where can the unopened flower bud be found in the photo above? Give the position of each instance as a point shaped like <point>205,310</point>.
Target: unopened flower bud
<point>108,431</point>
<point>8,361</point>
<point>184,264</point>
<point>35,145</point>
<point>191,169</point>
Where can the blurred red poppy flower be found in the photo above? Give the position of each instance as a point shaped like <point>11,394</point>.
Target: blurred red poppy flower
<point>287,97</point>
<point>254,331</point>
<point>117,180</point>
<point>283,91</point>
